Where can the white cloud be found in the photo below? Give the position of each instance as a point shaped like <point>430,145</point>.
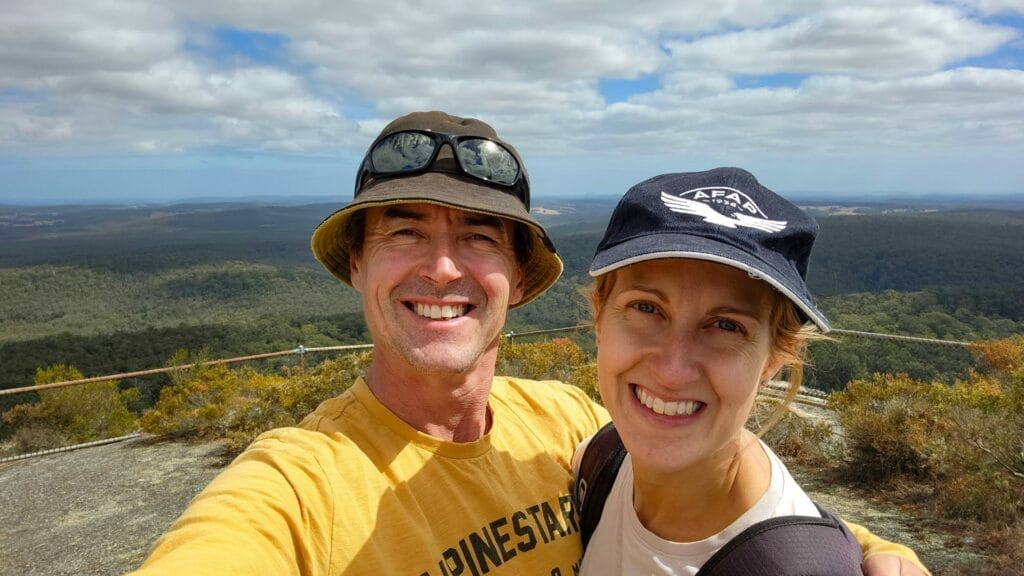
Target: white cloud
<point>859,41</point>
<point>47,38</point>
<point>152,77</point>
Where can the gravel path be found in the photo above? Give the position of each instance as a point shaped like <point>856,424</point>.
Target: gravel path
<point>97,511</point>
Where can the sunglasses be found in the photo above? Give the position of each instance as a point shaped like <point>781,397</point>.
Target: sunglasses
<point>413,151</point>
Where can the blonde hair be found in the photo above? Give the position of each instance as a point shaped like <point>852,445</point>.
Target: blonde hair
<point>790,337</point>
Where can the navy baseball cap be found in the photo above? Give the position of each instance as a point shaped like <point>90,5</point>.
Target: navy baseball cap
<point>723,215</point>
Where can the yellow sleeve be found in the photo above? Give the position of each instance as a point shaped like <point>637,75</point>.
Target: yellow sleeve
<point>871,545</point>
<point>269,512</point>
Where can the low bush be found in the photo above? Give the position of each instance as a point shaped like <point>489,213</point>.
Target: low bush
<point>555,359</point>
<point>965,440</point>
<point>1003,546</point>
<point>888,423</point>
<point>806,441</point>
<point>584,377</point>
<point>294,397</point>
<point>239,404</point>
<point>70,415</point>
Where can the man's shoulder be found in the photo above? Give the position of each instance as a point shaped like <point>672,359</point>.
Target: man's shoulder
<point>320,429</point>
<point>543,390</point>
<point>548,398</point>
<point>331,412</point>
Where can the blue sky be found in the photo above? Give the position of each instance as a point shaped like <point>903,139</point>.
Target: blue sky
<point>162,101</point>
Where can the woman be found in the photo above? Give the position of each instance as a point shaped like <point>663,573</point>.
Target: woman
<point>699,301</point>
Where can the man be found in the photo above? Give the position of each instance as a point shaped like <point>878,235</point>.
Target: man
<point>429,464</point>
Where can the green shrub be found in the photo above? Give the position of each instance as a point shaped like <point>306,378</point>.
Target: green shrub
<point>290,399</point>
<point>965,440</point>
<point>888,422</point>
<point>554,359</point>
<point>584,377</point>
<point>805,441</point>
<point>72,414</point>
<point>239,404</point>
<point>979,457</point>
<point>201,401</point>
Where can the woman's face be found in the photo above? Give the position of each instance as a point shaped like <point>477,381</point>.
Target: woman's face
<point>682,347</point>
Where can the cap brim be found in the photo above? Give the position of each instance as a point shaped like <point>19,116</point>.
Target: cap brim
<point>675,245</point>
<point>541,271</point>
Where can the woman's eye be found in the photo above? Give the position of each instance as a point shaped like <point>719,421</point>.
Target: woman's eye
<point>645,307</point>
<point>728,325</point>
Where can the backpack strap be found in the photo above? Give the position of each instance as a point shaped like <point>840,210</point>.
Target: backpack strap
<point>599,465</point>
<point>804,545</point>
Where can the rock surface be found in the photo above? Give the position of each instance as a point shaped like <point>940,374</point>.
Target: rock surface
<point>96,511</point>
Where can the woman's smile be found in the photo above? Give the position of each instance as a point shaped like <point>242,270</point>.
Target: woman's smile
<point>666,408</point>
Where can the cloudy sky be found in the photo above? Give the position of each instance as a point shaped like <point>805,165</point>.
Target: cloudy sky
<point>130,100</point>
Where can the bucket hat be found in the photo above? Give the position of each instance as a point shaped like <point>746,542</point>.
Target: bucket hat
<point>443,182</point>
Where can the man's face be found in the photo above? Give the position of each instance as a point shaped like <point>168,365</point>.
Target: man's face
<point>436,283</point>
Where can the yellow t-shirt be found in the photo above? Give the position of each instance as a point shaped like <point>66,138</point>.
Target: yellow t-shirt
<point>355,490</point>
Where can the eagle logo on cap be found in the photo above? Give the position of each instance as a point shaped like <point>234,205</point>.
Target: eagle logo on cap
<point>744,212</point>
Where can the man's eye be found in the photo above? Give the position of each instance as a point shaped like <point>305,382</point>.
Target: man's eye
<point>482,238</point>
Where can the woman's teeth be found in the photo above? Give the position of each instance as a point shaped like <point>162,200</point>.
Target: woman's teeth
<point>659,406</point>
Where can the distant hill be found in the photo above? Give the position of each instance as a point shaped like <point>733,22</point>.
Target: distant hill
<point>123,287</point>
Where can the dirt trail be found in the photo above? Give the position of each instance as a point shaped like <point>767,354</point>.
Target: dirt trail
<point>97,511</point>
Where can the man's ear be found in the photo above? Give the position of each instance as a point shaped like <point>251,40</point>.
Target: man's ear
<point>518,287</point>
<point>355,268</point>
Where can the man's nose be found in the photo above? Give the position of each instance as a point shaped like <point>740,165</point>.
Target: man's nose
<point>442,265</point>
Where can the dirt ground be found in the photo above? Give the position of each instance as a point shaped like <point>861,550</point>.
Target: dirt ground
<point>97,511</point>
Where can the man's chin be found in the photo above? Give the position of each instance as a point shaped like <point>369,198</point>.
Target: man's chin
<point>445,361</point>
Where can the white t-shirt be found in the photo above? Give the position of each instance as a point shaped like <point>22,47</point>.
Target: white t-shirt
<point>621,545</point>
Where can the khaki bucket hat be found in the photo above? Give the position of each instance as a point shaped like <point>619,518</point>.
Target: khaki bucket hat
<point>443,182</point>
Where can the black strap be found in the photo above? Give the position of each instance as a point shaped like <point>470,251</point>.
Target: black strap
<point>789,545</point>
<point>599,465</point>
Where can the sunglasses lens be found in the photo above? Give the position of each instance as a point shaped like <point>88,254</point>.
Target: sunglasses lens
<point>488,160</point>
<point>402,152</point>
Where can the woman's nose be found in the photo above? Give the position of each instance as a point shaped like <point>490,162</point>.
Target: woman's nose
<point>674,361</point>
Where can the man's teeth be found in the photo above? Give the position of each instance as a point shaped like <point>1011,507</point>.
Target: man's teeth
<point>435,312</point>
<point>659,406</point>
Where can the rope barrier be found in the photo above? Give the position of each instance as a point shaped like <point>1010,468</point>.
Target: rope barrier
<point>512,335</point>
<point>72,447</point>
<point>301,350</point>
<point>899,337</point>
